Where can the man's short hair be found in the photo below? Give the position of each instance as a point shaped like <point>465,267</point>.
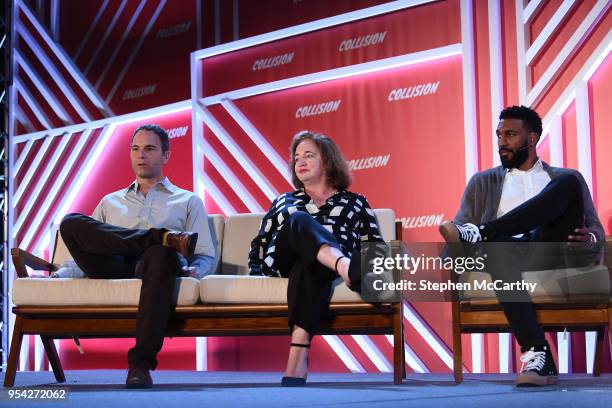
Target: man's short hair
<point>161,133</point>
<point>531,120</point>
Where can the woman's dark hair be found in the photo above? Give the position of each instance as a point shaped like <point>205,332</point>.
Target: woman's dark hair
<point>336,168</point>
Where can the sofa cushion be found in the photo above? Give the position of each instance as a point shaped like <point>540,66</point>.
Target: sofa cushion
<point>90,292</point>
<point>386,223</point>
<point>240,230</point>
<point>259,289</point>
<point>569,285</point>
<point>217,227</point>
<point>60,251</point>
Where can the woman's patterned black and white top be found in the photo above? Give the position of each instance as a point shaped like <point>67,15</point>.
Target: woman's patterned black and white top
<point>346,215</point>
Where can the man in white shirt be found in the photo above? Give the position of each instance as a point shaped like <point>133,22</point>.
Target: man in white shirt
<point>152,230</point>
<point>524,201</point>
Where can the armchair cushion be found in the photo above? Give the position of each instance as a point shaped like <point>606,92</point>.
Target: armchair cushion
<point>569,285</point>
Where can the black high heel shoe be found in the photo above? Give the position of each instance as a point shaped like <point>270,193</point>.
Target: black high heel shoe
<point>295,381</point>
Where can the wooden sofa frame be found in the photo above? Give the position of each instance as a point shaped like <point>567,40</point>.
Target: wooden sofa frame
<point>65,322</point>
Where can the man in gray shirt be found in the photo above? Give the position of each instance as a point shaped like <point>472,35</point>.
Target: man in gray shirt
<point>523,201</point>
<point>151,230</point>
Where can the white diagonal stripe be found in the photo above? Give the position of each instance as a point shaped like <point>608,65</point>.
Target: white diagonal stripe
<point>563,57</point>
<point>344,353</point>
<point>373,353</point>
<point>42,88</point>
<point>32,104</point>
<point>50,198</point>
<point>24,353</point>
<point>21,116</point>
<point>551,26</point>
<point>109,29</point>
<point>201,354</point>
<point>39,353</point>
<point>83,172</point>
<point>590,66</point>
<point>126,32</point>
<point>238,154</point>
<point>258,139</point>
<point>218,197</point>
<point>90,29</point>
<point>32,169</point>
<point>66,61</point>
<point>504,352</point>
<point>231,178</point>
<point>530,10</point>
<point>564,348</point>
<point>58,344</point>
<point>434,342</point>
<point>477,347</point>
<point>42,180</point>
<point>590,340</point>
<point>22,156</point>
<point>53,71</point>
<point>128,63</point>
<point>410,357</point>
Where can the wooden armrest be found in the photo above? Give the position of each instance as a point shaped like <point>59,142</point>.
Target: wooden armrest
<point>399,229</point>
<point>22,258</point>
<point>607,259</point>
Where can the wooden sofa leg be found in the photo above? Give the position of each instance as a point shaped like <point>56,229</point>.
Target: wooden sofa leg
<point>457,349</point>
<point>403,353</point>
<point>398,345</point>
<point>402,343</point>
<point>598,352</point>
<point>610,329</point>
<point>11,366</point>
<point>53,357</point>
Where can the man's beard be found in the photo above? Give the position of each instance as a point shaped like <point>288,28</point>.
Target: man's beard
<point>519,156</point>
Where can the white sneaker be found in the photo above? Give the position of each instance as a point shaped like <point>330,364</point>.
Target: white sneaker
<point>460,232</point>
<point>538,368</point>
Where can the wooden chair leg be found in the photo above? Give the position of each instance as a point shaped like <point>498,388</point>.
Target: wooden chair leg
<point>610,329</point>
<point>53,357</point>
<point>403,352</point>
<point>457,349</point>
<point>398,344</point>
<point>11,366</point>
<point>598,352</point>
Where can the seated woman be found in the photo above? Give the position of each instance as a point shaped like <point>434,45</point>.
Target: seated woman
<point>309,236</point>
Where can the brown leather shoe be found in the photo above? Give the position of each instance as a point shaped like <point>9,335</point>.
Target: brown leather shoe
<point>183,242</point>
<point>138,377</point>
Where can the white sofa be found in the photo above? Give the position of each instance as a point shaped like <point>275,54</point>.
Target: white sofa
<point>229,302</point>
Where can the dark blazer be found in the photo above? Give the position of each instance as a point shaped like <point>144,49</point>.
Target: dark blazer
<point>483,193</point>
